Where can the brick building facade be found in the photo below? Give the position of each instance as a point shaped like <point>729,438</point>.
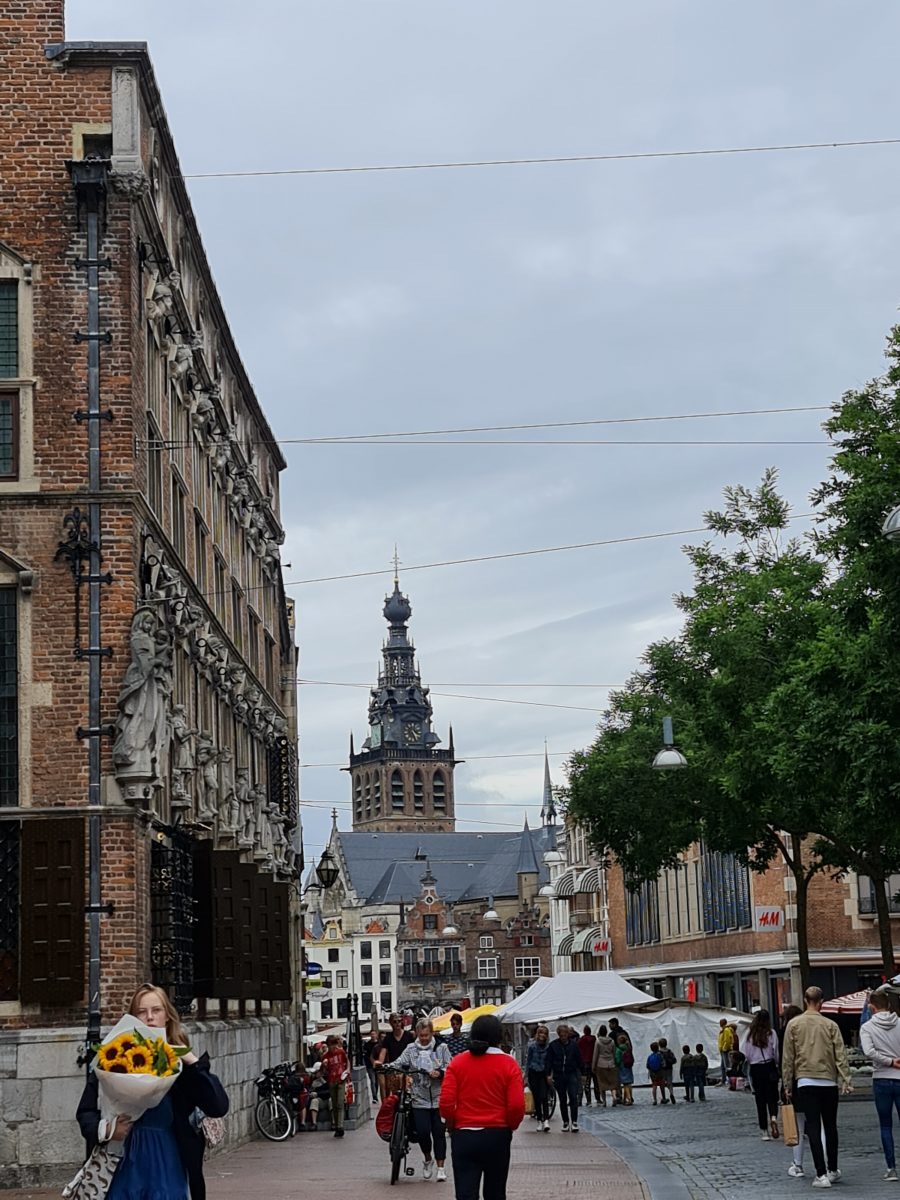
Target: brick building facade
<point>147,721</point>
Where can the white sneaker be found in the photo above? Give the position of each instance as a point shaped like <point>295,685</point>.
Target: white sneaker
<point>891,1174</point>
<point>821,1181</point>
<point>766,1137</point>
<point>575,1127</point>
<point>441,1176</point>
<point>428,1169</point>
<point>565,1128</point>
<point>796,1172</point>
<point>546,1127</point>
<point>834,1176</point>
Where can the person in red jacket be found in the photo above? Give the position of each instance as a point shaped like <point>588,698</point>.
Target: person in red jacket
<point>482,1101</point>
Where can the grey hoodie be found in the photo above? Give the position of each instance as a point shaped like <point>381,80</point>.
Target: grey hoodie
<point>880,1040</point>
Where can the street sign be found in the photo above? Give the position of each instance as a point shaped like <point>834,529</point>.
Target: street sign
<point>313,983</point>
<point>767,919</point>
<point>313,968</point>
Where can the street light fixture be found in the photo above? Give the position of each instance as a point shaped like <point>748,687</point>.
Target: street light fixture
<point>669,759</point>
<point>327,871</point>
<point>891,526</point>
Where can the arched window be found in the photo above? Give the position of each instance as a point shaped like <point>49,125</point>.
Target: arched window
<point>357,797</point>
<point>376,795</point>
<point>440,791</point>
<point>418,792</point>
<point>367,794</point>
<point>397,797</point>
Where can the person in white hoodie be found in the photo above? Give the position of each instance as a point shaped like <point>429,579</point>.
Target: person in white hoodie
<point>880,1040</point>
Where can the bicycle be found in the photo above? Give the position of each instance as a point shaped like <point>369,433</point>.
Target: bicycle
<point>402,1128</point>
<point>273,1114</point>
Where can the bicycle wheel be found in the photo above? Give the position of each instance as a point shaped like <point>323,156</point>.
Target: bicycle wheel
<point>273,1119</point>
<point>397,1145</point>
<point>551,1100</point>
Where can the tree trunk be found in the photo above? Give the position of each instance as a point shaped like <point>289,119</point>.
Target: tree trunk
<point>802,878</point>
<point>883,911</point>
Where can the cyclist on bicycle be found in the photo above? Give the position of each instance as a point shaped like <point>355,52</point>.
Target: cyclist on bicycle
<point>426,1061</point>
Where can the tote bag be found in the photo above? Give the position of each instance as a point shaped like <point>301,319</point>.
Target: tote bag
<point>94,1179</point>
<point>789,1125</point>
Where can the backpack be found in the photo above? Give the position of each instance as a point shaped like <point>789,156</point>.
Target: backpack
<point>668,1058</point>
<point>655,1062</point>
<point>627,1059</point>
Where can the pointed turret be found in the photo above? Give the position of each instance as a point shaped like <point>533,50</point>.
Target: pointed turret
<point>528,863</point>
<point>548,804</point>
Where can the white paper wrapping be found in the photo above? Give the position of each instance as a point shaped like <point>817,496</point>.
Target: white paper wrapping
<point>130,1095</point>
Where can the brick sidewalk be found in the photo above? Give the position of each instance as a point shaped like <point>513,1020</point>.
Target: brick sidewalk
<point>542,1165</point>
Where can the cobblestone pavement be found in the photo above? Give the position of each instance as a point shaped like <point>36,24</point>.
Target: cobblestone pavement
<point>713,1151</point>
<point>316,1163</point>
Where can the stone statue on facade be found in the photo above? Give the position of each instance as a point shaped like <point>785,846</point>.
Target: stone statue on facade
<point>161,301</point>
<point>262,849</point>
<point>229,806</point>
<point>142,725</point>
<point>246,803</point>
<point>208,766</point>
<point>183,760</point>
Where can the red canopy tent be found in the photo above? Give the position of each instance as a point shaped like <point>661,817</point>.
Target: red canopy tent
<point>853,1003</point>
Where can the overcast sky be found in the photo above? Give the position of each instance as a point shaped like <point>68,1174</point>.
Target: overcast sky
<point>404,301</point>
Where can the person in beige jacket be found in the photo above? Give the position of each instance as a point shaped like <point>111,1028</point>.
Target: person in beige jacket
<point>814,1067</point>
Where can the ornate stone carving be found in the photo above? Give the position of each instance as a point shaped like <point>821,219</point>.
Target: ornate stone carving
<point>161,301</point>
<point>262,850</point>
<point>229,807</point>
<point>247,806</point>
<point>131,181</point>
<point>142,725</point>
<point>183,761</point>
<point>208,765</point>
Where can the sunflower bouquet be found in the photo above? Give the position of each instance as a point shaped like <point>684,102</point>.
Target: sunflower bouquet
<point>135,1067</point>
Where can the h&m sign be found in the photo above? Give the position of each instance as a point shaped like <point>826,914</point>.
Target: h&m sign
<point>767,919</point>
<point>600,947</point>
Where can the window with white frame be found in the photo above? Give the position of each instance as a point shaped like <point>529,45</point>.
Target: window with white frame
<point>526,940</point>
<point>16,369</point>
<point>527,968</point>
<point>486,942</point>
<point>488,968</point>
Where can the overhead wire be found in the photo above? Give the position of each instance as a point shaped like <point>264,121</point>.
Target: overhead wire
<point>457,696</point>
<point>469,758</point>
<point>703,152</point>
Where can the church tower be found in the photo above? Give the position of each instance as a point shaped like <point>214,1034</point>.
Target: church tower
<point>400,781</point>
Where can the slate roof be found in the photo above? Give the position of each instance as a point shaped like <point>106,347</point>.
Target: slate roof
<point>388,867</point>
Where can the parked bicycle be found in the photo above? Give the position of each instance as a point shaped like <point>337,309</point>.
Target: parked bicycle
<point>275,1108</point>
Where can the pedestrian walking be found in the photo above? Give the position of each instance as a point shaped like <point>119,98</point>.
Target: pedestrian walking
<point>456,1041</point>
<point>371,1050</point>
<point>586,1044</point>
<point>392,1046</point>
<point>537,1075</point>
<point>725,1045</point>
<point>564,1063</point>
<point>606,1073</point>
<point>656,1072</point>
<point>483,1102</point>
<point>669,1061</point>
<point>162,1155</point>
<point>814,1065</point>
<point>760,1049</point>
<point>336,1071</point>
<point>625,1066</point>
<point>701,1067</point>
<point>687,1073</point>
<point>427,1060</point>
<point>880,1040</point>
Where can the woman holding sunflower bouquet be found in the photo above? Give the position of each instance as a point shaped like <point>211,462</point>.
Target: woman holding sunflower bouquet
<point>163,1154</point>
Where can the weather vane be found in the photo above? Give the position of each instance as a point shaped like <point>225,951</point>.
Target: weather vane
<point>396,562</point>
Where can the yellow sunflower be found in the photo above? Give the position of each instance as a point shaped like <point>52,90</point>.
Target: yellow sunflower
<point>140,1061</point>
<point>107,1056</point>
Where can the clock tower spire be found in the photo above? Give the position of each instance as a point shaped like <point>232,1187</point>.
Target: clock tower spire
<point>401,781</point>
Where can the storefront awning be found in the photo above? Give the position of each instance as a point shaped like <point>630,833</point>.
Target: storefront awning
<point>565,945</point>
<point>565,885</point>
<point>588,881</point>
<point>584,941</point>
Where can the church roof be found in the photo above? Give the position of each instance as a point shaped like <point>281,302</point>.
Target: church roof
<point>387,867</point>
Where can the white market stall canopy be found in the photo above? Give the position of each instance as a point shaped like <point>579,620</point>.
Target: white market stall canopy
<point>591,997</point>
<point>570,993</point>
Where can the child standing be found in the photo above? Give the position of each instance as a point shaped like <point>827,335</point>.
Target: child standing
<point>625,1067</point>
<point>669,1061</point>
<point>687,1071</point>
<point>701,1066</point>
<point>656,1071</point>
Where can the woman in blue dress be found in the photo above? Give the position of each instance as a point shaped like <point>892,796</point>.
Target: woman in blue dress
<point>163,1154</point>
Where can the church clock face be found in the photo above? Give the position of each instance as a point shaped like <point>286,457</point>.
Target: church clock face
<point>412,732</point>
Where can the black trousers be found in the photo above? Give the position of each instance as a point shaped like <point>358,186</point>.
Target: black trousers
<point>481,1154</point>
<point>430,1127</point>
<point>537,1081</point>
<point>765,1093</point>
<point>568,1089</point>
<point>820,1107</point>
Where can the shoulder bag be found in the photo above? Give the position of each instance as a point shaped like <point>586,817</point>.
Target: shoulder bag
<point>94,1179</point>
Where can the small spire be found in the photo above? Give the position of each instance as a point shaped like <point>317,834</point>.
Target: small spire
<point>352,751</point>
<point>396,561</point>
<point>334,827</point>
<point>548,805</point>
